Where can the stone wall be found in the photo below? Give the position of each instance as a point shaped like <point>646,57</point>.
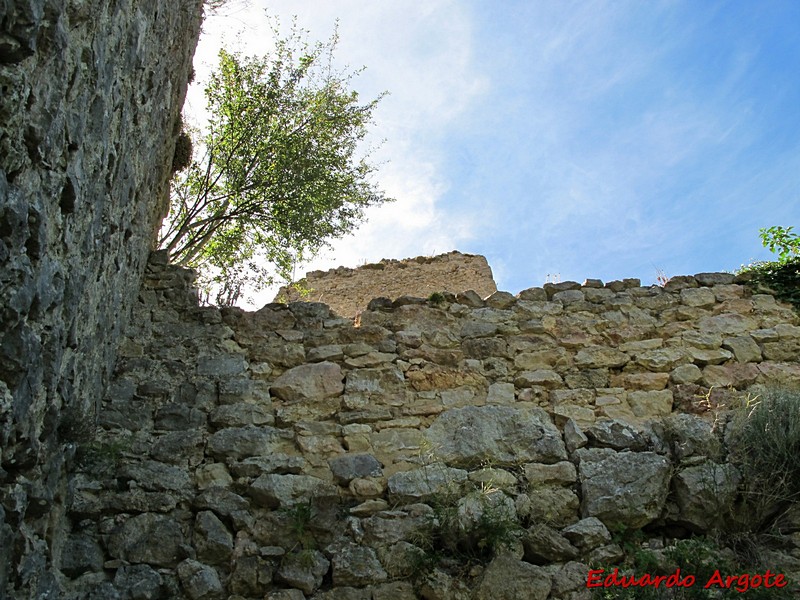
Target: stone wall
<point>347,291</point>
<point>288,453</point>
<point>90,99</point>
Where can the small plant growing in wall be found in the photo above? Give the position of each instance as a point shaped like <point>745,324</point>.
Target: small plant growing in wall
<point>468,525</point>
<point>436,298</point>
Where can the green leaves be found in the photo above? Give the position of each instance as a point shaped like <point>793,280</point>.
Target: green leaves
<point>281,175</point>
<point>782,241</point>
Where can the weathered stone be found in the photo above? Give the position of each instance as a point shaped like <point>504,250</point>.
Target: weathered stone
<point>647,382</point>
<point>212,475</point>
<point>731,375</point>
<point>541,377</point>
<point>561,473</point>
<point>543,545</point>
<point>509,579</point>
<point>625,488</point>
<point>183,448</point>
<point>648,405</point>
<point>351,466</point>
<point>574,437</point>
<point>497,434</point>
<point>494,478</point>
<point>595,357</point>
<point>213,541</point>
<point>241,414</point>
<point>422,483</point>
<point>710,279</point>
<point>703,357</point>
<point>200,581</point>
<point>148,538</point>
<point>744,348</point>
<point>587,534</point>
<point>309,382</point>
<point>686,374</point>
<point>569,296</point>
<point>727,324</point>
<point>356,566</point>
<point>303,570</point>
<point>500,393</point>
<point>250,576</point>
<point>690,436</point>
<point>662,359</point>
<point>241,442</point>
<point>139,582</point>
<point>81,554</point>
<point>555,506</point>
<point>700,297</point>
<point>157,476</point>
<point>221,366</point>
<point>570,580</point>
<point>616,434</point>
<point>705,494</point>
<point>501,300</point>
<point>277,491</point>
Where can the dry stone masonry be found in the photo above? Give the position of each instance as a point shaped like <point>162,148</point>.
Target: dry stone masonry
<point>288,453</point>
<point>348,291</point>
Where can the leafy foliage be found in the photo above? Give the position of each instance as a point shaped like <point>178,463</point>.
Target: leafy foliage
<point>281,174</point>
<point>782,241</point>
<point>780,277</point>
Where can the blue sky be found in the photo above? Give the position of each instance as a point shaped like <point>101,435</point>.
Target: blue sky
<point>592,139</point>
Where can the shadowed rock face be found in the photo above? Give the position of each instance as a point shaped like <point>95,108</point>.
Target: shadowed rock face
<point>349,291</point>
<point>90,99</point>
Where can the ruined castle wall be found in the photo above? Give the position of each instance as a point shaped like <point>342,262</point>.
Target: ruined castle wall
<point>289,453</point>
<point>90,99</point>
<point>348,291</point>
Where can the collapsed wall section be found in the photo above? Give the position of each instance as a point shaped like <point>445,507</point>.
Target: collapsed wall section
<point>348,291</point>
<point>289,453</point>
<point>90,100</point>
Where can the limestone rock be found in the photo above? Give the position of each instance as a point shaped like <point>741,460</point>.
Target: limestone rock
<point>587,534</point>
<point>350,466</point>
<point>561,473</point>
<point>648,405</point>
<point>543,545</point>
<point>424,482</point>
<point>509,579</point>
<point>139,582</point>
<point>81,554</point>
<point>314,381</point>
<point>276,491</point>
<point>212,539</point>
<point>705,494</point>
<point>303,570</point>
<point>616,434</point>
<point>200,581</point>
<point>356,566</point>
<point>497,434</point>
<point>241,442</point>
<point>627,488</point>
<point>594,357</point>
<point>148,538</point>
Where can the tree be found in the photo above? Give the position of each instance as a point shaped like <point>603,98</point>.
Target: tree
<point>281,175</point>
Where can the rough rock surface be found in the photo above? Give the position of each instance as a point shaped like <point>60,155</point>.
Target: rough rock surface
<point>90,111</point>
<point>349,291</point>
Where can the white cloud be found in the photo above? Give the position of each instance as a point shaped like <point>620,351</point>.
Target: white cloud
<point>423,55</point>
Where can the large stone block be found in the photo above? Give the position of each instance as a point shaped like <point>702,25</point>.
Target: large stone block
<point>623,488</point>
<point>309,382</point>
<point>500,435</point>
